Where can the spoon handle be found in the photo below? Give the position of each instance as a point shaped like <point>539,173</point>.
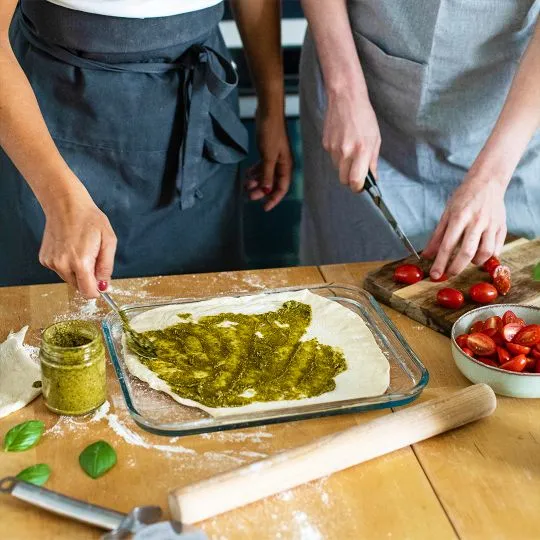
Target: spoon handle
<point>114,306</point>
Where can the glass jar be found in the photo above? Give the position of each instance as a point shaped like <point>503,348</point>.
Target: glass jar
<point>72,359</point>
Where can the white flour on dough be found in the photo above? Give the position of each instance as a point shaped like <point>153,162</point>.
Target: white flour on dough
<point>18,372</point>
<point>367,373</point>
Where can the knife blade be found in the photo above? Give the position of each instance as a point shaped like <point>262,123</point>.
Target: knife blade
<point>375,194</point>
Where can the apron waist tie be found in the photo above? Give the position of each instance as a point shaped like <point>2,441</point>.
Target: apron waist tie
<point>208,79</point>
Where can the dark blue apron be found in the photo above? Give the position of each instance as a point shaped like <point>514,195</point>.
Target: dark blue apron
<point>144,111</point>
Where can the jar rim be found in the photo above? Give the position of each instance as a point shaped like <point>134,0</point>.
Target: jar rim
<point>86,325</point>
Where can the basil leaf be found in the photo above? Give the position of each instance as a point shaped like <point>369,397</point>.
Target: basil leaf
<point>36,474</point>
<point>98,458</point>
<point>23,436</point>
<point>536,272</point>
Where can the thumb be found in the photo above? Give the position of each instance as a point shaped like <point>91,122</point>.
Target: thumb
<point>105,260</point>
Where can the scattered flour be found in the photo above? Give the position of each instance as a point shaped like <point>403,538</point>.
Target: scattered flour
<point>286,496</point>
<point>90,309</point>
<point>307,530</point>
<point>234,436</point>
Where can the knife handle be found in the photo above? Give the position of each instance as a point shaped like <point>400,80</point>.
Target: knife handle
<point>61,504</point>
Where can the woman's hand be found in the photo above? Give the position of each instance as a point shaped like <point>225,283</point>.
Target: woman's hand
<point>474,220</point>
<point>78,243</point>
<point>271,177</point>
<point>351,136</point>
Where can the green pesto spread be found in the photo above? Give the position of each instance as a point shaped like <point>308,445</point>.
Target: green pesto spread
<point>231,359</point>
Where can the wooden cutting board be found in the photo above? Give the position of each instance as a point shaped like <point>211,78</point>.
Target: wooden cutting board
<point>418,301</point>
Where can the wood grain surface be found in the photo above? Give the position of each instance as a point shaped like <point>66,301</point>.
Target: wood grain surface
<point>480,481</point>
<point>418,301</point>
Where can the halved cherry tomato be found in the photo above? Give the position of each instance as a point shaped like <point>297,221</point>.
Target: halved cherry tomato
<point>490,265</point>
<point>462,340</point>
<point>450,298</point>
<point>498,339</point>
<point>509,317</point>
<point>510,331</point>
<point>444,277</point>
<point>528,336</point>
<point>502,279</point>
<point>516,349</point>
<point>538,346</point>
<point>491,332</point>
<point>537,367</point>
<point>535,354</point>
<point>531,363</point>
<point>467,351</point>
<point>478,326</point>
<point>517,363</point>
<point>483,293</point>
<point>521,322</point>
<point>481,344</point>
<point>408,274</point>
<point>503,354</point>
<point>487,361</point>
<point>494,322</point>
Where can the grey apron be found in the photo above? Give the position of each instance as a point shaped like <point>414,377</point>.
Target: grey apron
<point>438,73</point>
<point>144,111</point>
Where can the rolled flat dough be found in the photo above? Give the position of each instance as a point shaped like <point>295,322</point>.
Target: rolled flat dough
<point>18,372</point>
<point>367,373</point>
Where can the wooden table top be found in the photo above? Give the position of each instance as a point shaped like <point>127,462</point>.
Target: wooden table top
<point>480,481</point>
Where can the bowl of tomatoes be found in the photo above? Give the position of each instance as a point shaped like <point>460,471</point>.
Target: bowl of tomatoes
<point>499,345</point>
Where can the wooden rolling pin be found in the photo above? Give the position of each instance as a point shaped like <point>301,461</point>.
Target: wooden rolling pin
<point>330,454</point>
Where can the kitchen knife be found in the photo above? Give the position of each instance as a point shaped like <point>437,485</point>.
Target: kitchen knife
<point>142,523</point>
<point>374,192</point>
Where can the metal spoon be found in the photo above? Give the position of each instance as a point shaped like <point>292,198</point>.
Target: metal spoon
<point>136,341</point>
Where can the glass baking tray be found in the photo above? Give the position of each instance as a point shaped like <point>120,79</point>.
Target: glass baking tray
<point>158,413</point>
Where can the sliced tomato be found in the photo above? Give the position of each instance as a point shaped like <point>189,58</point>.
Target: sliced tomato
<point>450,298</point>
<point>408,274</point>
<point>498,339</point>
<point>509,317</point>
<point>517,363</point>
<point>521,322</point>
<point>483,293</point>
<point>462,340</point>
<point>478,326</point>
<point>494,322</point>
<point>487,361</point>
<point>535,353</point>
<point>516,349</point>
<point>531,363</point>
<point>481,344</point>
<point>490,265</point>
<point>467,351</point>
<point>444,277</point>
<point>503,355</point>
<point>528,336</point>
<point>510,331</point>
<point>537,367</point>
<point>502,279</point>
<point>491,332</point>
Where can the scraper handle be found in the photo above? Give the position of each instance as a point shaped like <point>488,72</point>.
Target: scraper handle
<point>330,454</point>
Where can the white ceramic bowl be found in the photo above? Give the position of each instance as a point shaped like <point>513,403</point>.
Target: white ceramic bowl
<point>505,383</point>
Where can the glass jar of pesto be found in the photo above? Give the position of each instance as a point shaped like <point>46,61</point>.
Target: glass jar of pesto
<point>72,359</point>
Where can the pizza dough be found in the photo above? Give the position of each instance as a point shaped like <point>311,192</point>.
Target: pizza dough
<point>367,372</point>
<point>18,372</point>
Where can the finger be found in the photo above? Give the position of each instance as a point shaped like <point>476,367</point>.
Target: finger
<point>468,249</point>
<point>358,172</point>
<point>86,279</point>
<point>283,182</point>
<point>452,234</point>
<point>66,274</point>
<point>250,185</point>
<point>267,180</point>
<point>500,238</point>
<point>256,194</point>
<point>105,259</point>
<point>276,198</point>
<point>374,163</point>
<point>430,251</point>
<point>344,170</point>
<point>486,248</point>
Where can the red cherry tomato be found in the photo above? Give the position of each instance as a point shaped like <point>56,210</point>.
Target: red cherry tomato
<point>503,354</point>
<point>510,331</point>
<point>509,317</point>
<point>490,265</point>
<point>521,322</point>
<point>444,277</point>
<point>487,361</point>
<point>494,322</point>
<point>408,274</point>
<point>537,367</point>
<point>502,279</point>
<point>538,346</point>
<point>450,298</point>
<point>498,339</point>
<point>528,336</point>
<point>483,293</point>
<point>517,363</point>
<point>535,353</point>
<point>478,326</point>
<point>531,364</point>
<point>481,344</point>
<point>462,340</point>
<point>467,351</point>
<point>516,349</point>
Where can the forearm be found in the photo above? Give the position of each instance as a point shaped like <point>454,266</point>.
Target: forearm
<point>331,30</point>
<point>23,133</point>
<point>518,121</point>
<point>259,26</point>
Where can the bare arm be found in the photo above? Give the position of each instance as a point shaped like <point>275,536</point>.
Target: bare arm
<point>78,242</point>
<point>351,132</point>
<point>476,210</point>
<point>259,25</point>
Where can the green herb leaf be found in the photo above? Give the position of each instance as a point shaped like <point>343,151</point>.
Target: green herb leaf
<point>36,474</point>
<point>536,272</point>
<point>98,458</point>
<point>23,436</point>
